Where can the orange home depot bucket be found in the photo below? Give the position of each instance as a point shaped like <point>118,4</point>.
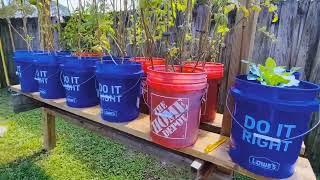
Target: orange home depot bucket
<point>215,73</point>
<point>145,63</point>
<point>175,104</point>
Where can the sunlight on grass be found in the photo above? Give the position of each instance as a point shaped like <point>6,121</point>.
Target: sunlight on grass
<point>80,154</point>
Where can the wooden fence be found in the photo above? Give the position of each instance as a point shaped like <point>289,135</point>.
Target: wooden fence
<point>297,45</point>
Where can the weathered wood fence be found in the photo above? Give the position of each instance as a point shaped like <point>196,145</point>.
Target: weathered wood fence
<point>297,45</point>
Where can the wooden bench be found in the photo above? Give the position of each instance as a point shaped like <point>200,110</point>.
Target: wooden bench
<point>140,128</point>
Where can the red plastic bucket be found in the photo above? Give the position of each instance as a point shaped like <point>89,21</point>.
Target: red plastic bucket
<point>175,105</point>
<point>215,73</point>
<point>145,63</point>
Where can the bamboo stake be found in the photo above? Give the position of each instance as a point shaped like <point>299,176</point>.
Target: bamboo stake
<point>4,64</point>
<point>11,35</point>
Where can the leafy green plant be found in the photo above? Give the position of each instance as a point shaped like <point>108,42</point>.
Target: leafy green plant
<point>88,31</point>
<point>272,75</point>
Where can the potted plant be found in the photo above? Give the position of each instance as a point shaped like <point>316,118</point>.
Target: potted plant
<point>83,34</point>
<point>182,44</point>
<point>271,113</point>
<point>118,79</point>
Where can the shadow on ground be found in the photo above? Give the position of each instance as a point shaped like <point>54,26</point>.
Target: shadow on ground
<point>80,154</point>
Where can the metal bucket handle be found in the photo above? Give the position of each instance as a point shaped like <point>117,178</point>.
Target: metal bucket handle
<point>279,140</point>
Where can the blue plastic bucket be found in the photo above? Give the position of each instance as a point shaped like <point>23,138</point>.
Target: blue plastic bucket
<point>269,124</point>
<point>78,79</point>
<point>25,70</point>
<point>119,89</point>
<point>48,76</point>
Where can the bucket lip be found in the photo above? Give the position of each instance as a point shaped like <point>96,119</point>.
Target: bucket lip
<point>128,68</point>
<point>135,75</point>
<point>144,59</point>
<point>316,86</point>
<point>125,63</point>
<point>215,64</point>
<point>214,70</point>
<point>198,86</point>
<point>150,70</point>
<point>72,62</point>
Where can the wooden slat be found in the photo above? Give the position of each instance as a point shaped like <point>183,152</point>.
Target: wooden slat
<point>141,128</point>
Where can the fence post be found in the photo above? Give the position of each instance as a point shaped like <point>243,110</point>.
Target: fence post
<point>242,41</point>
<point>4,65</point>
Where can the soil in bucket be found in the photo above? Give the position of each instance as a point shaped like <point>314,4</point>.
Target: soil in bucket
<point>215,73</point>
<point>175,103</point>
<point>78,79</point>
<point>269,124</point>
<point>145,63</point>
<point>119,90</point>
<point>25,70</point>
<point>48,76</point>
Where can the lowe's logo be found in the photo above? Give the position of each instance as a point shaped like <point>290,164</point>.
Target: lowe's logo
<point>264,163</point>
<point>110,112</point>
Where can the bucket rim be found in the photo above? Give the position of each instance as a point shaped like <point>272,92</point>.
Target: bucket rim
<point>150,69</point>
<point>188,87</point>
<point>316,86</point>
<point>143,59</point>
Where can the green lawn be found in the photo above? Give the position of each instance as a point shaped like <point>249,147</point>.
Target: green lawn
<point>80,154</point>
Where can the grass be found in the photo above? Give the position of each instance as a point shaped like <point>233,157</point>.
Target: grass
<point>80,154</point>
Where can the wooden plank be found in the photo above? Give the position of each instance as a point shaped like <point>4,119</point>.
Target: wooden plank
<point>49,130</point>
<point>141,129</point>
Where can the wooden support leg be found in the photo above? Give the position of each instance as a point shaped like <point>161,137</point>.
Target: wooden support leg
<point>49,130</point>
<point>208,171</point>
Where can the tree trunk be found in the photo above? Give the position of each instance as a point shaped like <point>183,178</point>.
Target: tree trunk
<point>46,32</point>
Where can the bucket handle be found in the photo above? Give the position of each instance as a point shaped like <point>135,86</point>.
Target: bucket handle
<point>25,69</point>
<point>122,94</point>
<point>93,76</point>
<point>145,90</point>
<point>204,99</point>
<point>280,140</point>
<point>36,78</point>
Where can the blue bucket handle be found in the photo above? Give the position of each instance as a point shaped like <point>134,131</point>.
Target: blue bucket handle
<point>279,140</point>
<point>61,81</point>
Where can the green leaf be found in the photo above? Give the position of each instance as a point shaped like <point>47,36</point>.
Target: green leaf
<point>270,63</point>
<point>223,29</point>
<point>275,18</point>
<point>245,11</point>
<point>229,8</point>
<point>256,8</point>
<point>272,8</point>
